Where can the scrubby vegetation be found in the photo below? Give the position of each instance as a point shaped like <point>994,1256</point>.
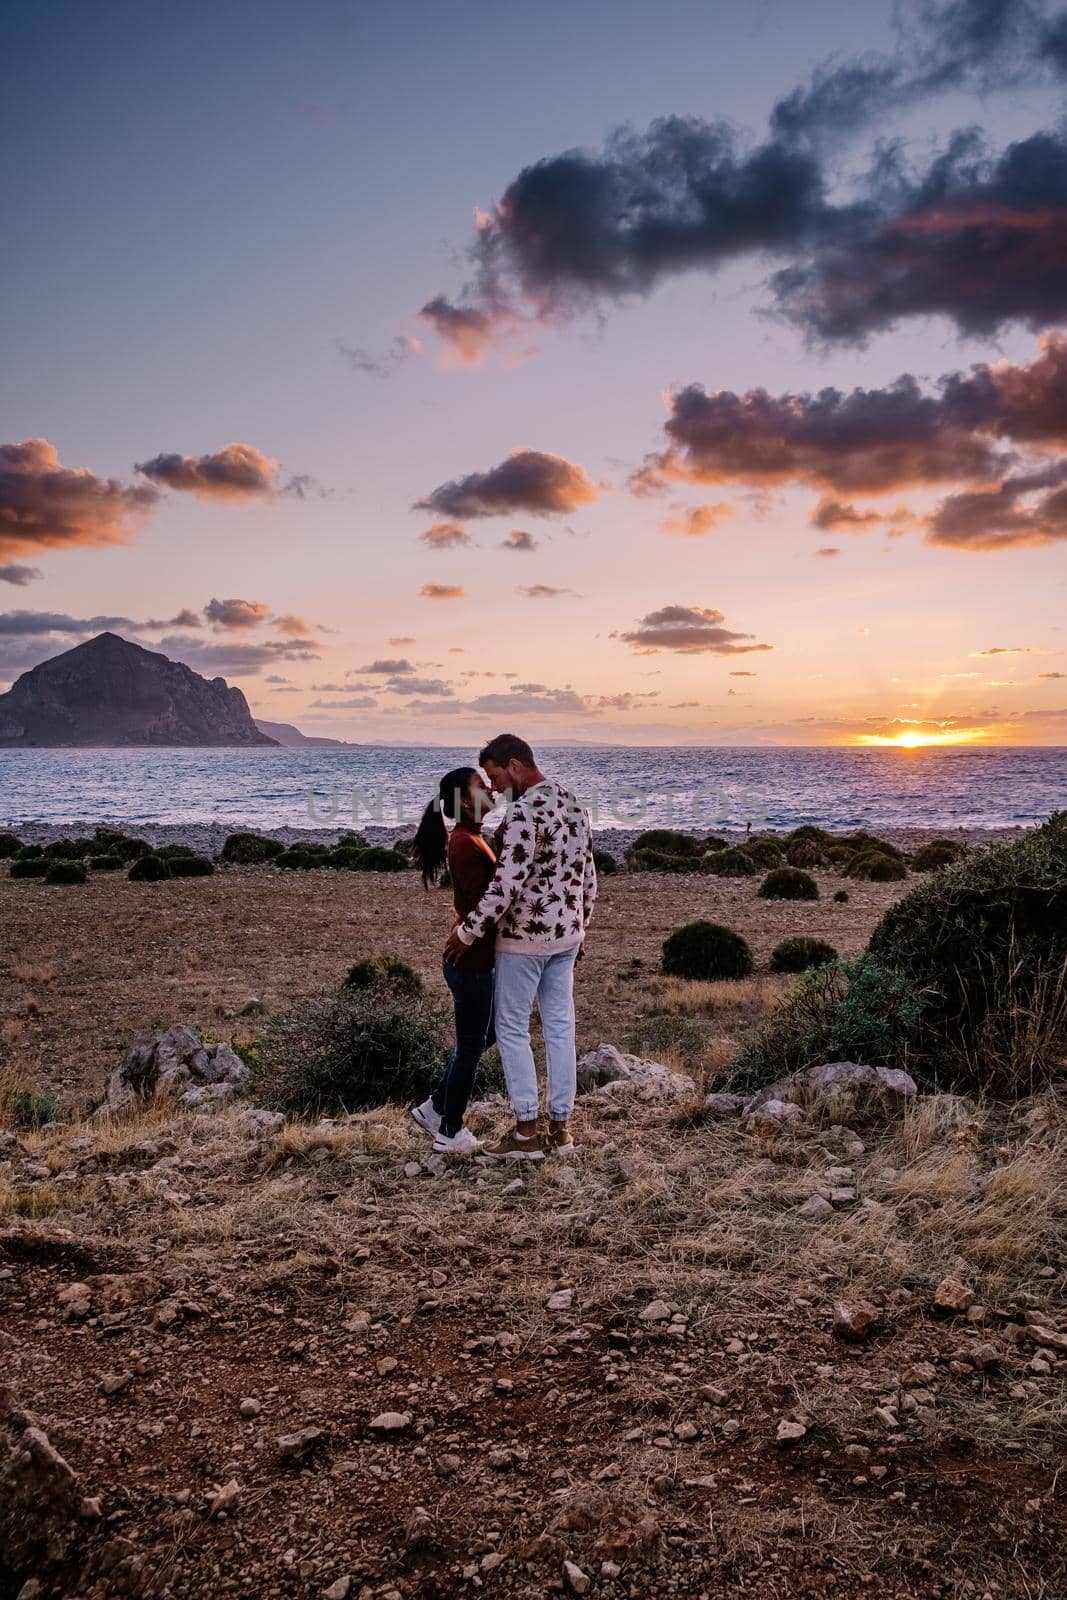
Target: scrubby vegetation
<point>358,1048</point>
<point>876,867</point>
<point>666,1033</point>
<point>763,851</point>
<point>250,849</point>
<point>938,853</point>
<point>150,869</point>
<point>66,872</point>
<point>384,972</point>
<point>841,897</point>
<point>29,867</point>
<point>30,852</point>
<point>605,863</point>
<point>805,853</point>
<point>731,863</point>
<point>706,950</point>
<point>10,846</point>
<point>106,863</point>
<point>668,842</point>
<point>799,952</point>
<point>964,981</point>
<point>191,866</point>
<point>660,861</point>
<point>788,883</point>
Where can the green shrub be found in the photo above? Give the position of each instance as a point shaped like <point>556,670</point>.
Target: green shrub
<point>24,1107</point>
<point>732,863</point>
<point>875,867</point>
<point>346,858</point>
<point>350,840</point>
<point>192,866</point>
<point>604,863</point>
<point>406,847</point>
<point>667,842</point>
<point>839,855</point>
<point>297,860</point>
<point>863,841</point>
<point>788,883</point>
<point>666,1033</point>
<point>250,849</point>
<point>938,853</point>
<point>9,846</point>
<point>66,872</point>
<point>384,972</point>
<point>68,849</point>
<point>106,863</point>
<point>175,852</point>
<point>149,869</point>
<point>706,950</point>
<point>131,849</point>
<point>964,982</point>
<point>377,858</point>
<point>805,853</point>
<point>763,851</point>
<point>29,867</point>
<point>799,952</point>
<point>349,1051</point>
<point>810,833</point>
<point>659,861</point>
<point>715,841</point>
<point>30,852</point>
<point>841,896</point>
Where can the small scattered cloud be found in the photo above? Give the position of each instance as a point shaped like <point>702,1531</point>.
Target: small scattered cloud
<point>44,505</point>
<point>527,480</point>
<point>464,331</point>
<point>694,521</point>
<point>1008,650</point>
<point>688,630</point>
<point>541,591</point>
<point>519,539</point>
<point>292,627</point>
<point>402,638</point>
<point>828,551</point>
<point>236,472</point>
<point>274,678</point>
<point>11,572</point>
<point>445,535</point>
<point>237,615</point>
<point>233,657</point>
<point>400,350</point>
<point>384,667</point>
<point>430,688</point>
<point>442,591</point>
<point>359,702</point>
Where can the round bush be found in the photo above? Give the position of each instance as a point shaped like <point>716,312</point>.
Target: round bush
<point>68,849</point>
<point>862,841</point>
<point>764,852</point>
<point>788,883</point>
<point>731,863</point>
<point>66,872</point>
<point>706,950</point>
<point>191,866</point>
<point>798,953</point>
<point>175,852</point>
<point>805,853</point>
<point>666,1033</point>
<point>149,869</point>
<point>938,853</point>
<point>131,849</point>
<point>350,840</point>
<point>346,858</point>
<point>299,860</point>
<point>348,1052</point>
<point>841,896</point>
<point>250,849</point>
<point>30,852</point>
<point>839,855</point>
<point>808,831</point>
<point>9,846</point>
<point>384,972</point>
<point>715,841</point>
<point>668,841</point>
<point>29,867</point>
<point>106,863</point>
<point>376,858</point>
<point>604,863</point>
<point>876,868</point>
<point>660,861</point>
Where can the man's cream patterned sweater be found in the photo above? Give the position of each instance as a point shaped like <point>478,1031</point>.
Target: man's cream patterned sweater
<point>541,896</point>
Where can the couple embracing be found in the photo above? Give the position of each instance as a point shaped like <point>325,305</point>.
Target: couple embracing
<point>523,903</point>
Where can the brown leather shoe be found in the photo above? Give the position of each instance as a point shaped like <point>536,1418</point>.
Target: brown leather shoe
<point>514,1147</point>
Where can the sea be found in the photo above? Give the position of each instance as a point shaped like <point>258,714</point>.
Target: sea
<point>711,788</point>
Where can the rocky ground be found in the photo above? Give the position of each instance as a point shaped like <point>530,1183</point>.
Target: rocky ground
<point>704,1357</point>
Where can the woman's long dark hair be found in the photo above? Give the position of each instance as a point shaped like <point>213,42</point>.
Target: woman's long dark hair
<point>431,836</point>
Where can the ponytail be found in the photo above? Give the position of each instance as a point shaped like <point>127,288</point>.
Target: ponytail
<point>431,836</point>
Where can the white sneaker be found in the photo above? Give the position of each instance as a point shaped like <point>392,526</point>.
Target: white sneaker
<point>427,1118</point>
<point>462,1143</point>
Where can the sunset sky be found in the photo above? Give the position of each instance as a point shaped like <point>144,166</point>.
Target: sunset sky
<point>685,372</point>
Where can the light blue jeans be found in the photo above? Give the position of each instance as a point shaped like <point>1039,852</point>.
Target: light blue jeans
<point>521,982</point>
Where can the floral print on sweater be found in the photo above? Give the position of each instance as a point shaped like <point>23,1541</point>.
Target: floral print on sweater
<point>542,893</point>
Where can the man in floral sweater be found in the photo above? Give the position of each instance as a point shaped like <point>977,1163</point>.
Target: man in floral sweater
<point>539,901</point>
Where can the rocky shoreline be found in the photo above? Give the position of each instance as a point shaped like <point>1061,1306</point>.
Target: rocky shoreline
<point>208,838</point>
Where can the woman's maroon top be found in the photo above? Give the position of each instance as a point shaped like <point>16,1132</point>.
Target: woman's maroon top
<point>471,865</point>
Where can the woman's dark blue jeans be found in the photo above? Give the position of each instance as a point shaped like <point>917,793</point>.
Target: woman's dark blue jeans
<point>472,998</point>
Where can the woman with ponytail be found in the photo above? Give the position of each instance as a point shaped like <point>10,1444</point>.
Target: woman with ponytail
<point>464,797</point>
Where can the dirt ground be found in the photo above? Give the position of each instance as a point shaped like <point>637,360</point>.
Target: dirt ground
<point>83,969</point>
